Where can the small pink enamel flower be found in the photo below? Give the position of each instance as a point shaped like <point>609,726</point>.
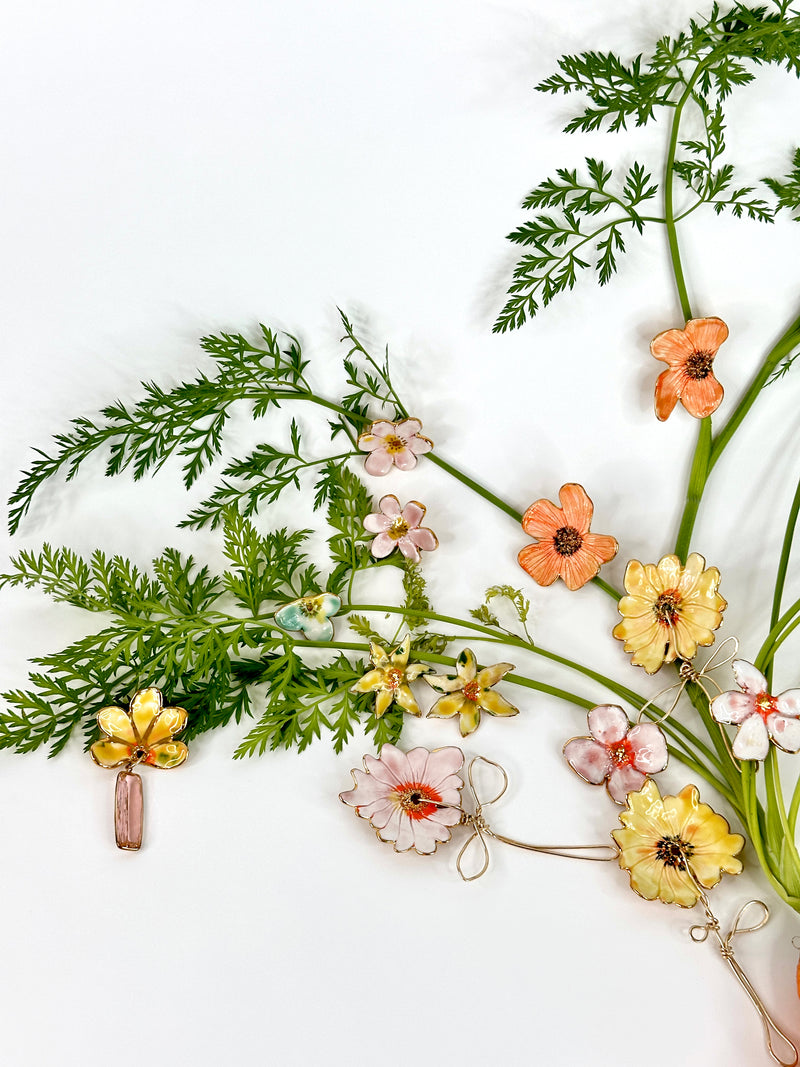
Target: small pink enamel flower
<point>758,714</point>
<point>411,799</point>
<point>399,528</point>
<point>393,444</point>
<point>616,754</point>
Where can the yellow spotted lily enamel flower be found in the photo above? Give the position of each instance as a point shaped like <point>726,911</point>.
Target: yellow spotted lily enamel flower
<point>673,846</point>
<point>669,610</point>
<point>389,678</point>
<point>469,691</point>
<point>144,734</point>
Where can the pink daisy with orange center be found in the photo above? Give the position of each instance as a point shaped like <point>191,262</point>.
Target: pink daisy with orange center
<point>564,548</point>
<point>689,354</point>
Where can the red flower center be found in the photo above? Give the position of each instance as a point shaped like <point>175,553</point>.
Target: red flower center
<point>665,607</point>
<point>698,365</point>
<point>621,752</point>
<point>393,444</point>
<point>766,705</point>
<point>567,541</point>
<point>418,799</point>
<point>394,678</point>
<point>471,691</point>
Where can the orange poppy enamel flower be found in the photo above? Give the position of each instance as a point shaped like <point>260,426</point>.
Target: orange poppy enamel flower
<point>689,376</point>
<point>564,548</point>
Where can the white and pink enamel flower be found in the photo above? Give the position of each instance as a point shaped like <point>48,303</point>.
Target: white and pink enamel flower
<point>617,754</point>
<point>393,444</point>
<point>398,527</point>
<point>410,799</point>
<point>759,715</point>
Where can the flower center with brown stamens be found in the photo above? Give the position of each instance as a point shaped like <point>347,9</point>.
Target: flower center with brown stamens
<point>621,752</point>
<point>309,605</point>
<point>472,691</point>
<point>567,541</point>
<point>766,705</point>
<point>665,607</point>
<point>394,678</point>
<point>673,852</point>
<point>698,365</point>
<point>417,799</point>
<point>139,753</point>
<point>398,529</point>
<point>393,444</point>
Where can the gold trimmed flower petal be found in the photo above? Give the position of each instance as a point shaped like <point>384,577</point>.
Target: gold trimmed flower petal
<point>167,754</point>
<point>110,753</point>
<point>116,723</point>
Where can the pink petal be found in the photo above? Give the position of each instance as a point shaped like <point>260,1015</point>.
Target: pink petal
<point>380,770</point>
<point>408,548</point>
<point>378,463</point>
<point>785,732</point>
<point>377,522</point>
<point>589,759</point>
<point>367,791</point>
<point>749,678</point>
<point>368,442</point>
<point>419,445</point>
<point>382,546</point>
<point>789,703</point>
<point>405,834</point>
<point>379,814</point>
<point>441,764</point>
<point>390,506</point>
<point>608,723</point>
<point>391,828</point>
<point>405,460</point>
<point>382,428</point>
<point>752,739</point>
<point>649,748</point>
<point>417,762</point>
<point>623,780</point>
<point>423,538</point>
<point>396,761</point>
<point>408,428</point>
<point>414,513</point>
<point>733,707</point>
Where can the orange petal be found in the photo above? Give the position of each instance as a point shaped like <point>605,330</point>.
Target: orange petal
<point>542,519</point>
<point>706,335</point>
<point>701,397</point>
<point>673,347</point>
<point>577,506</point>
<point>602,547</point>
<point>577,570</point>
<point>667,392</point>
<point>542,562</point>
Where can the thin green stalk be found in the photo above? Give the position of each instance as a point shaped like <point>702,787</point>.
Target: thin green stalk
<point>776,644</point>
<point>764,653</point>
<point>783,565</point>
<point>794,808</point>
<point>694,492</point>
<point>778,826</point>
<point>669,192</point>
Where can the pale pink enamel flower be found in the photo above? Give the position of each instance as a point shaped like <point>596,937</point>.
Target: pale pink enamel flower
<point>393,444</point>
<point>398,527</point>
<point>616,754</point>
<point>410,799</point>
<point>758,714</point>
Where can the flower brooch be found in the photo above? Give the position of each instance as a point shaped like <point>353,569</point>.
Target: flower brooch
<point>689,354</point>
<point>393,444</point>
<point>144,734</point>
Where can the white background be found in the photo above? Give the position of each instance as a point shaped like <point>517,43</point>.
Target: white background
<point>176,168</point>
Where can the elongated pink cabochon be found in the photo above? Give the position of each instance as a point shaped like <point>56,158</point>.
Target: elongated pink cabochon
<point>129,811</point>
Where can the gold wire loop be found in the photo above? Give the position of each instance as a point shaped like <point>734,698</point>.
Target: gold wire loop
<point>481,830</point>
<point>700,933</point>
<point>687,672</point>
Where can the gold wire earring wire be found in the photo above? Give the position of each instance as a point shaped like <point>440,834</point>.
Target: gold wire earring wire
<point>700,932</point>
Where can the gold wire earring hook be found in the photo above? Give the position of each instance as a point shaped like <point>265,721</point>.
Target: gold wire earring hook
<point>688,673</point>
<point>700,933</point>
<point>481,830</point>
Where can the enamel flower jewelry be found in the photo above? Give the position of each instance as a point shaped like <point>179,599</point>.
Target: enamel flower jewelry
<point>760,716</point>
<point>311,615</point>
<point>469,691</point>
<point>144,734</point>
<point>389,678</point>
<point>565,548</point>
<point>393,444</point>
<point>669,610</point>
<point>689,354</point>
<point>398,527</point>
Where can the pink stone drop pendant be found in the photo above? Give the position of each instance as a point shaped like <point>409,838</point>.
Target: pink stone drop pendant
<point>129,811</point>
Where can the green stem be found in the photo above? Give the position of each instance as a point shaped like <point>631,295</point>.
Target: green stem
<point>783,565</point>
<point>476,487</point>
<point>694,492</point>
<point>669,191</point>
<point>765,653</point>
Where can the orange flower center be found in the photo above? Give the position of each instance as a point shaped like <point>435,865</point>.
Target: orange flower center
<point>417,799</point>
<point>393,444</point>
<point>766,705</point>
<point>398,529</point>
<point>673,852</point>
<point>665,607</point>
<point>621,752</point>
<point>567,541</point>
<point>394,678</point>
<point>472,691</point>
<point>698,365</point>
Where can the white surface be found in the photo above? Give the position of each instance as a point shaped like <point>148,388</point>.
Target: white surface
<point>176,168</point>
